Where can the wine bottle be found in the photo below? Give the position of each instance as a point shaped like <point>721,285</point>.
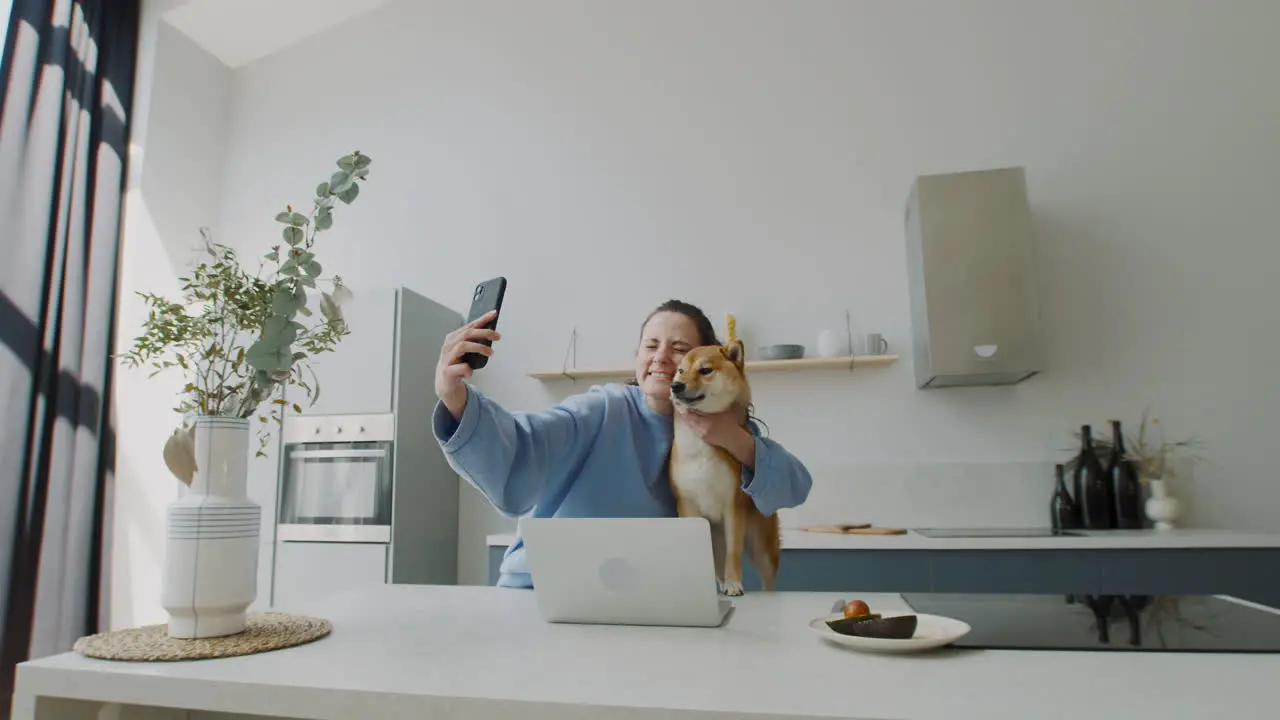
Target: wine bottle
<point>1077,489</point>
<point>1064,512</point>
<point>1124,478</point>
<point>1097,514</point>
<point>1109,489</point>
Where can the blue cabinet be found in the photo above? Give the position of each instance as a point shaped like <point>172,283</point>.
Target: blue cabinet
<point>1244,572</point>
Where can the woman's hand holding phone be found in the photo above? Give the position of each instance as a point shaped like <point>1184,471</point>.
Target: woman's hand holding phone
<point>451,370</point>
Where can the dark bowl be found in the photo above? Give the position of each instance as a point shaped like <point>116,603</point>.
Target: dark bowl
<point>781,352</point>
<point>898,627</point>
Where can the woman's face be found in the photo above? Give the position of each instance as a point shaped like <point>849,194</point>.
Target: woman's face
<point>663,342</point>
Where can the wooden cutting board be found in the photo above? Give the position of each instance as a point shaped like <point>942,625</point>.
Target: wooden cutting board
<point>851,529</point>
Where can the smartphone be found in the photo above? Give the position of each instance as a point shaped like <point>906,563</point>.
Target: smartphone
<point>487,296</point>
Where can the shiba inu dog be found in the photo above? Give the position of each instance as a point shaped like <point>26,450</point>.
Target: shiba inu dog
<point>707,480</point>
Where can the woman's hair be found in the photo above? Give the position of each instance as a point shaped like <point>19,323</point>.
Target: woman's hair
<point>706,334</point>
<point>706,331</point>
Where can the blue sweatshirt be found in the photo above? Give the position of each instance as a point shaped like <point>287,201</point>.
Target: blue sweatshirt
<point>601,453</point>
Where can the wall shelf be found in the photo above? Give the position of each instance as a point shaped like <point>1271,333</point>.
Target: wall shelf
<point>753,366</point>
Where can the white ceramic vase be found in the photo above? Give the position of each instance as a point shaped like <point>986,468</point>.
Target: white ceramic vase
<point>211,549</point>
<point>829,344</point>
<point>1161,508</point>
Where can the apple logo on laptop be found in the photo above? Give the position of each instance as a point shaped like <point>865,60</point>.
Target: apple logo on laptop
<point>618,574</point>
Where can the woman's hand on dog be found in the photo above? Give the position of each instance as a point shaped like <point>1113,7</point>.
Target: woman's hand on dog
<point>721,430</point>
<point>451,370</point>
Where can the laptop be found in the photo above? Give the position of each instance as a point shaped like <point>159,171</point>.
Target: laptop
<point>624,571</point>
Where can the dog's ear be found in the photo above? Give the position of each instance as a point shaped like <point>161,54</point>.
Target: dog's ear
<point>735,352</point>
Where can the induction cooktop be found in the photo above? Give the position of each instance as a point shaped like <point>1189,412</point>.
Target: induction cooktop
<point>994,532</point>
<point>1133,623</point>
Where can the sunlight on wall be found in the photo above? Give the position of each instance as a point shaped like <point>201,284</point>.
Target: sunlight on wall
<point>143,484</point>
<point>179,119</point>
<point>5,7</point>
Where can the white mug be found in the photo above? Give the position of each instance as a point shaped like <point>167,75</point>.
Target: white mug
<point>876,344</point>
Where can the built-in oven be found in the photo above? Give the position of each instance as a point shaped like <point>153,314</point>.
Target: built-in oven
<point>336,479</point>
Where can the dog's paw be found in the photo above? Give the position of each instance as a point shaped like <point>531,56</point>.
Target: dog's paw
<point>731,587</point>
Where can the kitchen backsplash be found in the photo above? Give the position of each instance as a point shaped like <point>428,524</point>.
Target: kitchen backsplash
<point>1014,494</point>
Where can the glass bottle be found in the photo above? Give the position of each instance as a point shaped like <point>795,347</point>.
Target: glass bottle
<point>1064,512</point>
<point>1124,479</point>
<point>1098,514</point>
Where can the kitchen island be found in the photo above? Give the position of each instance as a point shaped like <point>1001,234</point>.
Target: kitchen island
<point>1190,562</point>
<point>416,651</point>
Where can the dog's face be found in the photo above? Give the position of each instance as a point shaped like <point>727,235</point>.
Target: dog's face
<point>710,379</point>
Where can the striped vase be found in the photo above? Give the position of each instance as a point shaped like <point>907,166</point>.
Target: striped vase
<point>211,550</point>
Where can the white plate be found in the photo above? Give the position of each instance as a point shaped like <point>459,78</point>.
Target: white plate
<point>931,631</point>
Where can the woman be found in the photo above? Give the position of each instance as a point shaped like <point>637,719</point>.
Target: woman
<point>601,453</point>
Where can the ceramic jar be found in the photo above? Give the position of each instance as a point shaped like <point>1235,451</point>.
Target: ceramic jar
<point>211,547</point>
<point>1162,509</point>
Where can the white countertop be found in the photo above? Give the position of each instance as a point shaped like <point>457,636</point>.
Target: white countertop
<point>794,539</point>
<point>406,651</point>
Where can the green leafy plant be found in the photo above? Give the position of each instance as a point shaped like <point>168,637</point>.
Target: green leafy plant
<point>241,339</point>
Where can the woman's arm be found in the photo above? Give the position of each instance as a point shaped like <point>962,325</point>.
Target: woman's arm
<point>773,477</point>
<point>514,459</point>
<point>777,479</point>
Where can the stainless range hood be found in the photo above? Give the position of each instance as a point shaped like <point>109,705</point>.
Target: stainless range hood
<point>970,273</point>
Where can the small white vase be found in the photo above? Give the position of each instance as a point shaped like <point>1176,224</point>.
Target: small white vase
<point>211,547</point>
<point>829,344</point>
<point>1161,508</point>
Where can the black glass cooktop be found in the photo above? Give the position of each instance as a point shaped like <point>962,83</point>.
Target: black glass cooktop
<point>1133,623</point>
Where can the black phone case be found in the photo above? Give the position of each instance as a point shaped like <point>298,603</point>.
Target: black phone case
<point>487,296</point>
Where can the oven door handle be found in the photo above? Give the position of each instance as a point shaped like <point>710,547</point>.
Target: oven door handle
<point>308,454</point>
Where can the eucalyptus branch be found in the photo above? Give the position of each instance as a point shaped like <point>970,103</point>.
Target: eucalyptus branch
<point>240,339</point>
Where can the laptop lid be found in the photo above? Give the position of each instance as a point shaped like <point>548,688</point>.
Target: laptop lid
<point>624,571</point>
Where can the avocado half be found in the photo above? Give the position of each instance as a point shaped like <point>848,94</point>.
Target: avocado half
<point>901,627</point>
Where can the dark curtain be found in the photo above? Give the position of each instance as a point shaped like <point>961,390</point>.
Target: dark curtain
<point>67,79</point>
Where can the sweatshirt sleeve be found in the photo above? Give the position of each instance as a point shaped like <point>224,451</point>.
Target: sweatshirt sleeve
<point>779,480</point>
<point>517,458</point>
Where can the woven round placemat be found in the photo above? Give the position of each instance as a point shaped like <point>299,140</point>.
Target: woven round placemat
<point>151,643</point>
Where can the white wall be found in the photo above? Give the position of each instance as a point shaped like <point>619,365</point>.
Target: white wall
<point>6,8</point>
<point>176,171</point>
<point>607,156</point>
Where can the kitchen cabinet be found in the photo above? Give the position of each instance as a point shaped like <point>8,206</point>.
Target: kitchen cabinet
<point>356,377</point>
<point>262,487</point>
<point>359,375</point>
<point>379,381</point>
<point>1173,571</point>
<point>1217,568</point>
<point>306,571</point>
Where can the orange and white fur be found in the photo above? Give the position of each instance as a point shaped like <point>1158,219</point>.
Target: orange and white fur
<point>707,480</point>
